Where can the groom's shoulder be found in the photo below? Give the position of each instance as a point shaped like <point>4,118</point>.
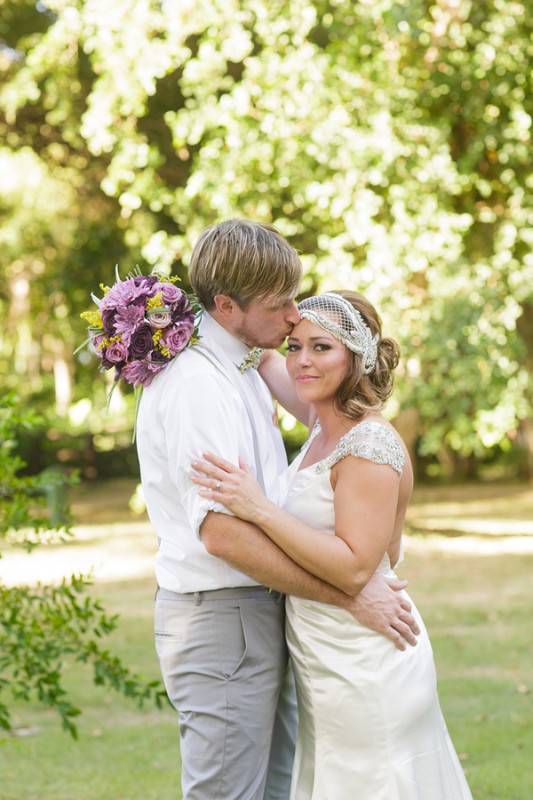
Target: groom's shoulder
<point>188,368</point>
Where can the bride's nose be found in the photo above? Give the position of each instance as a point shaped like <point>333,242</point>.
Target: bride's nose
<point>304,357</point>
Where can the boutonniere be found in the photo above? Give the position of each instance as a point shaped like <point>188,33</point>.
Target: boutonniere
<point>251,360</point>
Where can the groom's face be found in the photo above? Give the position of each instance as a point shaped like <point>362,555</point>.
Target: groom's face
<point>267,322</point>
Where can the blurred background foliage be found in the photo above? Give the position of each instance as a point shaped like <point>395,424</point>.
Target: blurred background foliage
<point>389,141</point>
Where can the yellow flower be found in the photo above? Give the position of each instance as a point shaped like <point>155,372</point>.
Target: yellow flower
<point>105,289</point>
<point>162,278</point>
<point>94,318</point>
<point>155,302</point>
<point>157,336</point>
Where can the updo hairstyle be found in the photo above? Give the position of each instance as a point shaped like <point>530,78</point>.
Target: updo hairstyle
<point>359,393</point>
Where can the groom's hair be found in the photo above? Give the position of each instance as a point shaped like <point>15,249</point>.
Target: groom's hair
<point>245,260</point>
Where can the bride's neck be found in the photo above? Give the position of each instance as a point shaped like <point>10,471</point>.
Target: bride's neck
<point>333,424</point>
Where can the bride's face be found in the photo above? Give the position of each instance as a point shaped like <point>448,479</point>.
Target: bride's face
<point>316,362</point>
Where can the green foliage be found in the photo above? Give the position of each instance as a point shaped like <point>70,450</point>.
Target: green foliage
<point>42,627</point>
<point>388,140</point>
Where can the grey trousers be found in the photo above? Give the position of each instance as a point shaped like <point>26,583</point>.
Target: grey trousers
<point>224,660</point>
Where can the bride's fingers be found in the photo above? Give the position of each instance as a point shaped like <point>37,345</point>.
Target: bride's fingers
<point>219,462</point>
<point>210,483</point>
<point>212,495</point>
<point>209,470</point>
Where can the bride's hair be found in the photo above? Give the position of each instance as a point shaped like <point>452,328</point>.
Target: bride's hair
<point>360,393</point>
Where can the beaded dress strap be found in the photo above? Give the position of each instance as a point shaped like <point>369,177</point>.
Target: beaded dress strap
<point>371,440</point>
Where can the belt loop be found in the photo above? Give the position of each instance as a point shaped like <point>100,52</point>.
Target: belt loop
<point>197,598</point>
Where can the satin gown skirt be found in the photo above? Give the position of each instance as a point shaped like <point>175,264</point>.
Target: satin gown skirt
<point>371,727</point>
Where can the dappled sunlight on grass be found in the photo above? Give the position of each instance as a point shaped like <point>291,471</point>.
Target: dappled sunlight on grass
<point>476,609</point>
<point>112,543</point>
<point>474,513</point>
<point>107,552</point>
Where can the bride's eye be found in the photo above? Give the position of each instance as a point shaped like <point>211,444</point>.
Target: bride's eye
<point>291,348</point>
<point>322,347</point>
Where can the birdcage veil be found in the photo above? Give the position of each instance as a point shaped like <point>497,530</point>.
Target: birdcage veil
<point>338,317</point>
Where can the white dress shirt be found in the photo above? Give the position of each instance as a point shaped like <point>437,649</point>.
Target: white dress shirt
<point>192,407</point>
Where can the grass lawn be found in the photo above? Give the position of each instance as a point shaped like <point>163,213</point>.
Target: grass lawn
<point>476,602</point>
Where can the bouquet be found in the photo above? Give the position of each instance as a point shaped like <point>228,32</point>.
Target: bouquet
<point>140,325</point>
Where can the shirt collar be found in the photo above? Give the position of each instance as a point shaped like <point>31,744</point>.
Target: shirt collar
<point>221,341</point>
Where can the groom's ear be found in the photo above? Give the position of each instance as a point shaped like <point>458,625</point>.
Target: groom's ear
<point>225,305</point>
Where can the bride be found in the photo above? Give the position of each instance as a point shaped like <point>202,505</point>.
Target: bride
<point>371,727</point>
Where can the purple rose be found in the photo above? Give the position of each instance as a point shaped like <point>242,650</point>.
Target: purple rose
<point>170,293</point>
<point>94,343</point>
<point>108,321</point>
<point>181,306</point>
<point>176,338</point>
<point>159,319</point>
<point>141,342</point>
<point>157,357</point>
<point>183,316</point>
<point>144,281</point>
<point>105,363</point>
<point>116,352</point>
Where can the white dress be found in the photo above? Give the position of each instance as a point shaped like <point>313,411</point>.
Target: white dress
<point>371,727</point>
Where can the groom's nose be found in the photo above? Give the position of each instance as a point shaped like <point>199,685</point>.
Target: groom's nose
<point>293,315</point>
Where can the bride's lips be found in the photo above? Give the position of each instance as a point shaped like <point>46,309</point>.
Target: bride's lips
<point>306,378</point>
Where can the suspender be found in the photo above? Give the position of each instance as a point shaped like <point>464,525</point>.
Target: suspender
<point>212,358</point>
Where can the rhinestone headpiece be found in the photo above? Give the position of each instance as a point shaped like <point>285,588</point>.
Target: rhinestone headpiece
<point>337,316</point>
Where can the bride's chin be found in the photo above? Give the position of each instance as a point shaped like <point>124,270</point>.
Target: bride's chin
<point>305,394</point>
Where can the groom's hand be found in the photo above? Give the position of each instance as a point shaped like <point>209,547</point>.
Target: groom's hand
<point>381,607</point>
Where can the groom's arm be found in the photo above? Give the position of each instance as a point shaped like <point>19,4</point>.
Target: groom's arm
<point>195,417</point>
<point>379,605</point>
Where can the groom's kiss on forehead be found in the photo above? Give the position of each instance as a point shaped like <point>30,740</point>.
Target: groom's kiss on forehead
<point>266,322</point>
<point>247,276</point>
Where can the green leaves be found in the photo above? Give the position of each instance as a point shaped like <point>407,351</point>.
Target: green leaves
<point>388,141</point>
<point>42,627</point>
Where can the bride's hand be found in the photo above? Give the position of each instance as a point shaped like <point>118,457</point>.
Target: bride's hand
<point>234,487</point>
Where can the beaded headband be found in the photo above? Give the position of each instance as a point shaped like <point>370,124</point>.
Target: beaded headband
<point>339,318</point>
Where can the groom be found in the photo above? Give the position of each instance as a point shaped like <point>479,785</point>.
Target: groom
<point>219,629</point>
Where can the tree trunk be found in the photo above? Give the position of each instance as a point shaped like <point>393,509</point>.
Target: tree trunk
<point>407,423</point>
<point>526,438</point>
<point>63,385</point>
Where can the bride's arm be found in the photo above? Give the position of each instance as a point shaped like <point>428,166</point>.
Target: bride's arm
<point>364,524</point>
<point>274,373</point>
<point>364,519</point>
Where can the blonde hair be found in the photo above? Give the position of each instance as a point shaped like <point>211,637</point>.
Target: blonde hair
<point>359,393</point>
<point>245,260</point>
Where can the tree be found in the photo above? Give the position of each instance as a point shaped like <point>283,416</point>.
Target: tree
<point>387,140</point>
<point>42,627</point>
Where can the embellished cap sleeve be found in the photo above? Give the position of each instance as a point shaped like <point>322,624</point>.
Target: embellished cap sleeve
<point>371,440</point>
